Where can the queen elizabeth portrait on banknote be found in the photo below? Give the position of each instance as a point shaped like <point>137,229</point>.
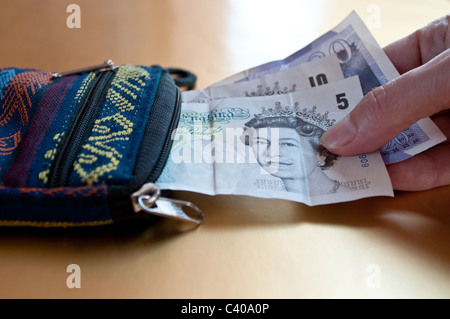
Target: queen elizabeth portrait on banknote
<point>286,143</point>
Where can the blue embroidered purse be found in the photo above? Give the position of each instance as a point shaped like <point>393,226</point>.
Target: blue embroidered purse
<point>84,147</point>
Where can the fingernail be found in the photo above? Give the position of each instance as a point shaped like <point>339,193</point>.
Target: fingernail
<point>339,134</point>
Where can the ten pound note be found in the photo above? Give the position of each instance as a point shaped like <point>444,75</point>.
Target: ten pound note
<point>257,133</point>
<point>305,75</point>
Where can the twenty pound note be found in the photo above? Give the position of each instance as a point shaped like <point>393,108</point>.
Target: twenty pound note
<point>359,54</point>
<point>269,147</point>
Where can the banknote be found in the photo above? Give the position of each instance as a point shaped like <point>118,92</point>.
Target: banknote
<point>357,50</point>
<point>310,74</point>
<point>269,147</point>
<point>359,54</point>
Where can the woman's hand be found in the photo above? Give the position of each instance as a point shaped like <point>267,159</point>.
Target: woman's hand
<point>423,90</point>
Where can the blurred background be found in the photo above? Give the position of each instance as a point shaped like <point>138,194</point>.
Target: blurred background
<point>212,38</point>
<point>247,247</point>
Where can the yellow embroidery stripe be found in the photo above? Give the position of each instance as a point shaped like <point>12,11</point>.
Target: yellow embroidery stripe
<point>127,90</point>
<point>83,87</point>
<point>117,97</point>
<point>102,145</point>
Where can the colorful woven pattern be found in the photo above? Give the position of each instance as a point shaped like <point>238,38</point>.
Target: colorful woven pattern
<point>36,139</point>
<point>110,152</point>
<point>18,89</point>
<point>36,114</point>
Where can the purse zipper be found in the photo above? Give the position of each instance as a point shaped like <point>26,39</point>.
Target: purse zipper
<point>159,166</point>
<point>148,197</point>
<point>107,65</point>
<point>81,128</point>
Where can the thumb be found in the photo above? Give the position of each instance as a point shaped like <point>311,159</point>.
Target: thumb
<point>389,109</point>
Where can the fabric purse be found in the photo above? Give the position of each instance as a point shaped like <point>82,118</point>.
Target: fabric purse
<point>83,148</point>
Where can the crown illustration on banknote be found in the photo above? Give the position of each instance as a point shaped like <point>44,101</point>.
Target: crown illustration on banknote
<point>310,116</point>
<point>275,89</point>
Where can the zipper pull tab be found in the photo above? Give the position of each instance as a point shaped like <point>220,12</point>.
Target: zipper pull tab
<point>148,198</point>
<point>105,66</point>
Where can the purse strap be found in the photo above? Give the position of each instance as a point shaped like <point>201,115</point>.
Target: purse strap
<point>183,79</point>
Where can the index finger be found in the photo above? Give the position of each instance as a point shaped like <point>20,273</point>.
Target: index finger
<point>389,109</point>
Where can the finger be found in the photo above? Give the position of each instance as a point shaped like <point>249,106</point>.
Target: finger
<point>421,46</point>
<point>423,171</point>
<point>388,110</point>
<point>443,123</point>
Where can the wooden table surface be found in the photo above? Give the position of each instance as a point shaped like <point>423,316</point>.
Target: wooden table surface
<point>247,247</point>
